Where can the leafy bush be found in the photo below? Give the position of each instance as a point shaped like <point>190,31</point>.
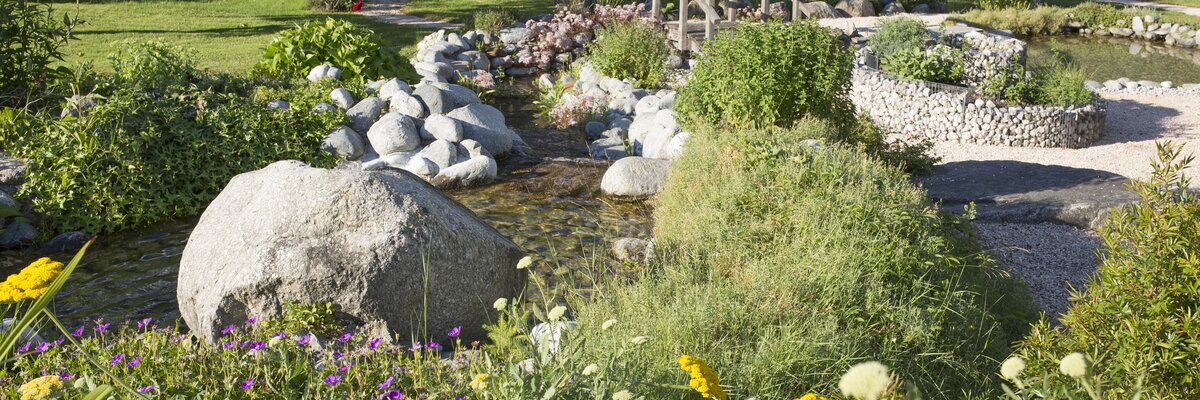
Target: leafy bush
<point>898,34</point>
<point>331,5</point>
<point>1041,20</point>
<point>141,157</point>
<point>782,263</point>
<point>493,19</point>
<point>942,64</point>
<point>1003,4</point>
<point>354,49</point>
<point>770,74</point>
<point>1097,14</point>
<point>1056,84</point>
<point>632,50</point>
<point>151,66</point>
<point>1138,318</point>
<point>33,39</point>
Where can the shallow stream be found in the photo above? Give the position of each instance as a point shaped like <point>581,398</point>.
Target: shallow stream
<point>1105,58</point>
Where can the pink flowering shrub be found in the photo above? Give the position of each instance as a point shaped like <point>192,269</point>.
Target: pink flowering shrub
<point>569,32</point>
<point>572,109</point>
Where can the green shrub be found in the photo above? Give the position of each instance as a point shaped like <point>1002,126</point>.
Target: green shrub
<point>1041,20</point>
<point>898,34</point>
<point>1056,84</point>
<point>770,74</point>
<point>331,5</point>
<point>140,157</point>
<point>33,37</point>
<point>354,49</point>
<point>631,50</point>
<point>1003,4</point>
<point>1138,318</point>
<point>942,64</point>
<point>1097,14</point>
<point>783,264</point>
<point>151,66</point>
<point>492,20</point>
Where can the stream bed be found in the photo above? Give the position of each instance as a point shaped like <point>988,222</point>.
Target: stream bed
<point>1105,58</point>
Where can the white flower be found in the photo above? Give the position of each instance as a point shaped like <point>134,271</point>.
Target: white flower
<point>639,340</point>
<point>608,324</point>
<point>623,395</point>
<point>865,381</point>
<point>1012,368</point>
<point>275,341</point>
<point>1074,365</point>
<point>500,304</point>
<point>556,313</point>
<point>524,263</point>
<point>591,369</point>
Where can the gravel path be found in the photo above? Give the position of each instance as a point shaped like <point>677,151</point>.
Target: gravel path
<point>1050,258</point>
<point>1161,6</point>
<point>389,11</point>
<point>1135,122</point>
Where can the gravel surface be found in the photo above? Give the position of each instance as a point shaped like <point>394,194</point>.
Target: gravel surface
<point>1135,122</point>
<point>1050,258</point>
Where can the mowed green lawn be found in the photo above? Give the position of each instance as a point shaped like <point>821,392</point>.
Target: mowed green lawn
<point>462,11</point>
<point>225,35</point>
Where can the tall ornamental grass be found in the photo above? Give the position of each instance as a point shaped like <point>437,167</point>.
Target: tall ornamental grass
<point>783,262</point>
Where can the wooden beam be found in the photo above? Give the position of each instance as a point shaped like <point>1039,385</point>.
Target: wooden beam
<point>683,21</point>
<point>796,14</point>
<point>765,10</point>
<point>710,31</point>
<point>656,9</point>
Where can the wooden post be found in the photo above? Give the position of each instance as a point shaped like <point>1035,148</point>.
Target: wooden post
<point>656,9</point>
<point>796,14</point>
<point>683,28</point>
<point>766,10</point>
<point>710,31</point>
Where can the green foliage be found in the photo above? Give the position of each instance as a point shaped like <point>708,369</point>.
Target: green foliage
<point>151,66</point>
<point>1097,14</point>
<point>354,49</point>
<point>493,19</point>
<point>1138,317</point>
<point>319,319</point>
<point>942,64</point>
<point>898,34</point>
<point>33,37</point>
<point>632,50</point>
<point>783,263</point>
<point>770,74</point>
<point>140,157</point>
<point>1041,20</point>
<point>1003,4</point>
<point>331,5</point>
<point>1056,84</point>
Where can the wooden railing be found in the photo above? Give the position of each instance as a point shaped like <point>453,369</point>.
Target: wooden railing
<point>713,15</point>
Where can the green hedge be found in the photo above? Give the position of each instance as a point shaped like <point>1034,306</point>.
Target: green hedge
<point>783,265</point>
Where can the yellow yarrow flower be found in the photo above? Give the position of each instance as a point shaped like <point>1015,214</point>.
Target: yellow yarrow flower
<point>40,388</point>
<point>704,379</point>
<point>480,381</point>
<point>812,396</point>
<point>31,282</point>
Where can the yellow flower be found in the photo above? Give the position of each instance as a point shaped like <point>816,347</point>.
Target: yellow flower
<point>480,381</point>
<point>31,282</point>
<point>812,396</point>
<point>704,379</point>
<point>40,388</point>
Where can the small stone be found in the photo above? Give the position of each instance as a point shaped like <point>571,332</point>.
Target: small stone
<point>344,142</point>
<point>632,250</point>
<point>278,105</point>
<point>441,127</point>
<point>66,242</point>
<point>342,98</point>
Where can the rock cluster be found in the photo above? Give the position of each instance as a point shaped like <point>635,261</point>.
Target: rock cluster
<point>987,54</point>
<point>916,108</point>
<point>1144,27</point>
<point>1143,86</point>
<point>438,131</point>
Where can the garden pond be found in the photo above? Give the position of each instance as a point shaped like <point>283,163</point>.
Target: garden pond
<point>552,209</point>
<point>1105,58</point>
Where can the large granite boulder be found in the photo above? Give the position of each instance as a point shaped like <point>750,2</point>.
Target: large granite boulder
<point>484,124</point>
<point>367,241</point>
<point>635,177</point>
<point>856,8</point>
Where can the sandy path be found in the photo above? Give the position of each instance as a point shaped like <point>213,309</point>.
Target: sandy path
<point>389,11</point>
<point>1051,259</point>
<point>1135,122</point>
<point>1167,7</point>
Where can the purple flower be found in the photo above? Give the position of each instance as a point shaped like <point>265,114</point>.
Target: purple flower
<point>432,345</point>
<point>228,329</point>
<point>145,389</point>
<point>24,348</point>
<point>257,345</point>
<point>42,347</point>
<point>227,345</point>
<point>392,395</point>
<point>454,332</point>
<point>65,376</point>
<point>57,342</point>
<point>78,331</point>
<point>374,343</point>
<point>101,327</point>
<point>116,359</point>
<point>338,356</point>
<point>416,346</point>
<point>145,322</point>
<point>333,380</point>
<point>387,383</point>
<point>134,362</point>
<point>345,337</point>
<point>248,384</point>
<point>251,321</point>
<point>342,369</point>
<point>303,340</point>
<point>279,334</point>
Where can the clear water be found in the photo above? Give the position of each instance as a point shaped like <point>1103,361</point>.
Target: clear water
<point>1104,58</point>
<point>551,209</point>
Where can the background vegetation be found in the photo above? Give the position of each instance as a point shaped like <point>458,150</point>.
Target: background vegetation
<point>631,50</point>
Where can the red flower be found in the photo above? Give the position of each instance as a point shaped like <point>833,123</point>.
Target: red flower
<point>357,6</point>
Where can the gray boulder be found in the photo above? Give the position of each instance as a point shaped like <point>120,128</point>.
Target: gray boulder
<point>594,129</point>
<point>278,105</point>
<point>342,98</point>
<point>656,143</point>
<point>514,35</point>
<point>439,126</point>
<point>675,147</point>
<point>921,9</point>
<point>6,200</point>
<point>66,242</point>
<point>635,177</point>
<point>436,101</point>
<point>632,250</point>
<point>344,142</point>
<point>393,86</point>
<point>394,133</point>
<point>18,234</point>
<point>405,104</point>
<point>422,167</point>
<point>365,113</point>
<point>818,10</point>
<point>323,107</point>
<point>856,8</point>
<point>475,171</point>
<point>484,124</point>
<point>391,252</point>
<point>318,72</point>
<point>893,8</point>
<point>442,153</point>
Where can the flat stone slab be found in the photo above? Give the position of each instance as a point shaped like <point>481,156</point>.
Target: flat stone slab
<point>1013,191</point>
